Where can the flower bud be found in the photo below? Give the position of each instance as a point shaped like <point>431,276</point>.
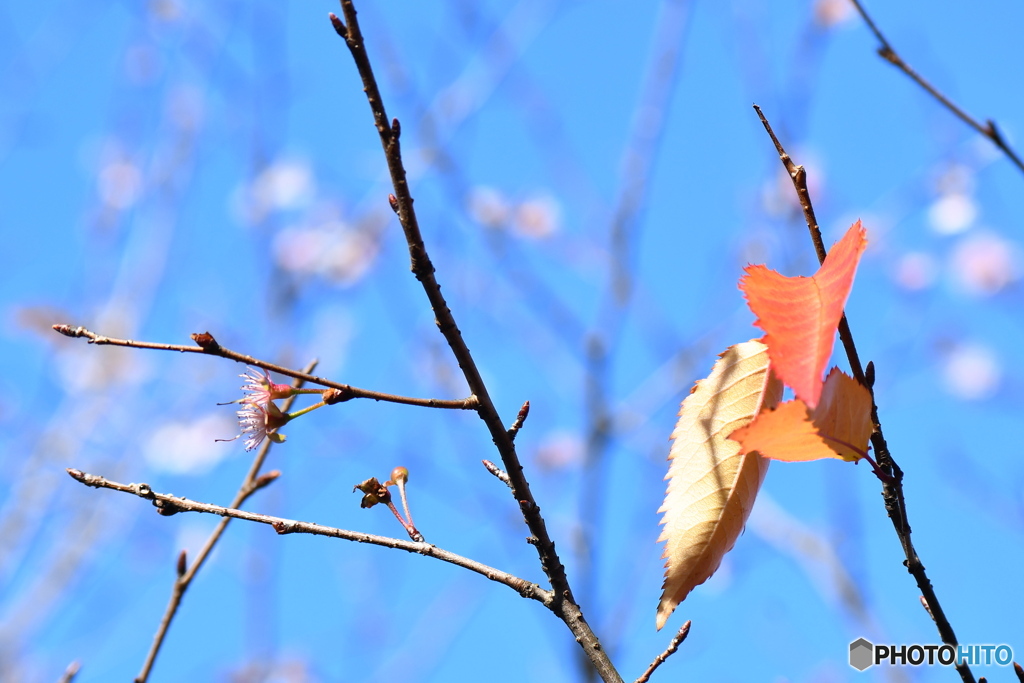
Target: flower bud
<point>399,475</point>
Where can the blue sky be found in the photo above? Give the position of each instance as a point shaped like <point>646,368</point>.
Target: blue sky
<point>175,167</point>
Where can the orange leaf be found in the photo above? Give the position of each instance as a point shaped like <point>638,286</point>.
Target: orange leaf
<point>838,428</point>
<point>800,314</point>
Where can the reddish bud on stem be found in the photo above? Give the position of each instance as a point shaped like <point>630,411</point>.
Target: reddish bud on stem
<point>205,341</point>
<point>339,25</point>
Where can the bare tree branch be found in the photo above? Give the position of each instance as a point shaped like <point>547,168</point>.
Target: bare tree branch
<point>209,346</point>
<point>169,505</point>
<point>673,645</point>
<point>892,482</point>
<point>564,604</point>
<point>890,55</point>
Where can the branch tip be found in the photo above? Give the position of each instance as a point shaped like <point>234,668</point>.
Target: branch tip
<point>69,331</point>
<point>520,419</point>
<point>86,478</point>
<point>182,565</point>
<point>265,479</point>
<point>673,645</point>
<point>206,342</point>
<point>497,472</point>
<point>339,25</point>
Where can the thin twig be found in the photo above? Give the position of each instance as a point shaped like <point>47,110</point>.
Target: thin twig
<point>501,474</point>
<point>989,130</point>
<point>209,346</point>
<point>564,605</point>
<point>185,573</point>
<point>673,645</point>
<point>520,419</point>
<point>799,177</point>
<point>892,484</point>
<point>168,505</point>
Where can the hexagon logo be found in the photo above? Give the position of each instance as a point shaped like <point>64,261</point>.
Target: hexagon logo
<point>861,654</point>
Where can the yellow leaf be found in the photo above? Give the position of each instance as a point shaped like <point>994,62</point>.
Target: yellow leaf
<point>838,428</point>
<point>712,485</point>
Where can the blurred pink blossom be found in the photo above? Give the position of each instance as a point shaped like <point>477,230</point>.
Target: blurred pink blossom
<point>537,217</point>
<point>971,371</point>
<point>119,184</point>
<point>985,263</point>
<point>560,449</point>
<point>830,13</point>
<point>488,206</point>
<point>333,250</point>
<point>286,184</point>
<point>916,271</point>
